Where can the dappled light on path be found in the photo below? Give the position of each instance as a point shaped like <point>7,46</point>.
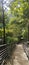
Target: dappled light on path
<point>19,57</point>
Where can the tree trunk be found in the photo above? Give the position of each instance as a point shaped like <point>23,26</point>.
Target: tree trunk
<point>28,31</point>
<point>3,24</point>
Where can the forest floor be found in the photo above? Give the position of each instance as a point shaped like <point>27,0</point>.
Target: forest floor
<point>19,57</point>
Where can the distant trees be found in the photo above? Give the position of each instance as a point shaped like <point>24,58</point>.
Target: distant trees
<point>20,11</point>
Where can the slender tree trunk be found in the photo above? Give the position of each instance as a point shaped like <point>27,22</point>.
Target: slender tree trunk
<point>3,24</point>
<point>3,28</point>
<point>28,31</point>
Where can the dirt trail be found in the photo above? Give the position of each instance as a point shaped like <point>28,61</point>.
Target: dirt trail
<point>19,57</point>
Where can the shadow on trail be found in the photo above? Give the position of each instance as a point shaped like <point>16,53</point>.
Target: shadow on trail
<point>9,59</point>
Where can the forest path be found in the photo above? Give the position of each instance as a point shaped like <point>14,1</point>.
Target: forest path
<point>19,57</point>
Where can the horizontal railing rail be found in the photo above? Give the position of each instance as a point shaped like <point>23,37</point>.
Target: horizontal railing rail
<point>3,52</point>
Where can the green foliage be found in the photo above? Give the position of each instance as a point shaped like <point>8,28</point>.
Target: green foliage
<point>16,26</point>
<point>20,9</point>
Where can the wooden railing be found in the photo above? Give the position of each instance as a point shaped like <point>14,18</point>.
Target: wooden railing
<point>3,52</point>
<point>26,48</point>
